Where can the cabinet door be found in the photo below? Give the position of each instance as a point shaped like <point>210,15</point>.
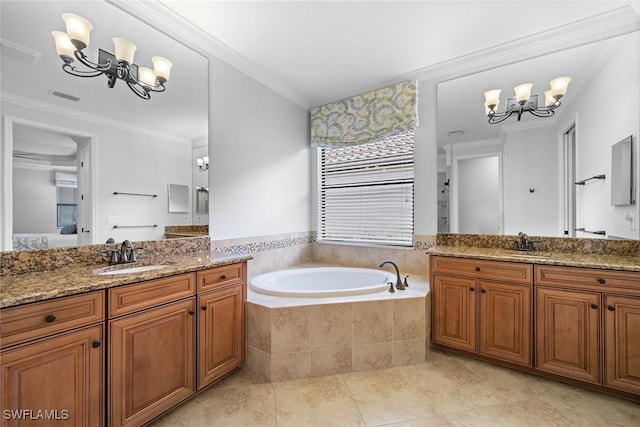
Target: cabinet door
<point>454,312</point>
<point>151,365</point>
<point>505,322</point>
<point>622,343</point>
<point>220,333</point>
<point>567,333</point>
<point>59,379</point>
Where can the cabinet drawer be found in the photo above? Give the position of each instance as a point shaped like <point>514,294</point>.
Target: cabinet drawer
<point>483,269</point>
<point>588,278</point>
<point>139,296</point>
<point>36,320</point>
<point>218,277</point>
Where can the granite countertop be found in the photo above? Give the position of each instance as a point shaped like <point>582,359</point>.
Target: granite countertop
<point>609,262</point>
<point>38,286</point>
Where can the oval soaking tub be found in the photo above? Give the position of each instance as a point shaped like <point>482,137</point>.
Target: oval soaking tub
<point>312,282</point>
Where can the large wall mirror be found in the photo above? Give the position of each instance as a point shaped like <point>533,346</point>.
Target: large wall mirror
<point>70,144</point>
<point>534,164</point>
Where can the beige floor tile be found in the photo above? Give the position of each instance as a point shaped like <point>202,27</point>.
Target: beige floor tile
<point>388,396</point>
<point>532,413</point>
<point>252,405</point>
<point>240,378</point>
<point>179,417</point>
<point>321,401</point>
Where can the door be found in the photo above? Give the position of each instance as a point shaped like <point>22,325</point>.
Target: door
<point>220,333</point>
<point>151,364</point>
<point>454,312</point>
<point>62,376</point>
<point>622,343</point>
<point>505,322</point>
<point>567,333</point>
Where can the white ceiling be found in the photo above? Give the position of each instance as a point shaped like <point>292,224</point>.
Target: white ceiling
<point>311,51</point>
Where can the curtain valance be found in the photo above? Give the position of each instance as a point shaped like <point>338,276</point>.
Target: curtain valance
<point>366,118</point>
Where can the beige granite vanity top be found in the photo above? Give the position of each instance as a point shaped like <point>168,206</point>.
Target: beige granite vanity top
<point>609,262</point>
<point>38,286</point>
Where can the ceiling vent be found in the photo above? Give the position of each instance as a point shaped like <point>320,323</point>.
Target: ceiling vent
<point>64,95</point>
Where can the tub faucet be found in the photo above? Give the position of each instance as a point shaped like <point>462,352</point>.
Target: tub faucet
<point>399,284</point>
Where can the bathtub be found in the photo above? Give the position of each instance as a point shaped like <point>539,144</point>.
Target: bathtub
<point>312,282</point>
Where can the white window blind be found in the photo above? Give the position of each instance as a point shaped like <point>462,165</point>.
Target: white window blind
<point>366,192</point>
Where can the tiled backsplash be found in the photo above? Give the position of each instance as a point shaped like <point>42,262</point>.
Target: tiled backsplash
<point>545,244</point>
<point>17,262</point>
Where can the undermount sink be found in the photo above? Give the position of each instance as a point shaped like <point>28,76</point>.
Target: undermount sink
<point>128,269</point>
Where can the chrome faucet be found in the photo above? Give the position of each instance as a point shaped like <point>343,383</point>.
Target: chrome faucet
<point>399,285</point>
<point>127,252</point>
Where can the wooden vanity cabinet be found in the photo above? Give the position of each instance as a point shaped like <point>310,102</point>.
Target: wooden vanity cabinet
<point>588,325</point>
<point>221,297</point>
<point>52,360</point>
<point>483,307</point>
<point>152,329</point>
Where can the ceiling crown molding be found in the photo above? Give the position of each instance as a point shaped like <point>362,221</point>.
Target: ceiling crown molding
<point>22,101</point>
<point>599,27</point>
<point>165,20</point>
<point>19,52</point>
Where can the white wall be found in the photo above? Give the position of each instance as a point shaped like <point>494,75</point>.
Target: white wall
<point>531,162</point>
<point>607,112</point>
<point>259,156</point>
<point>34,202</point>
<point>127,161</point>
<point>479,195</point>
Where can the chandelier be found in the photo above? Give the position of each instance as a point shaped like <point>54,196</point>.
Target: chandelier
<point>141,80</point>
<point>524,101</point>
<point>203,163</point>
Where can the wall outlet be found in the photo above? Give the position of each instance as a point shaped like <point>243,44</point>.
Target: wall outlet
<point>113,220</point>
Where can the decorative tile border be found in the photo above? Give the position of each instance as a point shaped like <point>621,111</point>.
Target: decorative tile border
<point>545,244</point>
<point>262,243</point>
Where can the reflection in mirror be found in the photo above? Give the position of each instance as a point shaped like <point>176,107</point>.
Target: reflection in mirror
<point>622,173</point>
<point>133,145</point>
<point>178,197</point>
<point>202,200</point>
<point>543,157</point>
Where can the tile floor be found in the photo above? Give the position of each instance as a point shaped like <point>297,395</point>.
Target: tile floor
<point>447,390</point>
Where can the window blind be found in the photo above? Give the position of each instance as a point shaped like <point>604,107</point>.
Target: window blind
<point>366,192</point>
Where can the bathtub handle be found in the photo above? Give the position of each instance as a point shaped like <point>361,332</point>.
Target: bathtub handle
<point>391,289</point>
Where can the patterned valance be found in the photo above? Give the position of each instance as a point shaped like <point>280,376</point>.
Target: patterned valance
<point>365,118</point>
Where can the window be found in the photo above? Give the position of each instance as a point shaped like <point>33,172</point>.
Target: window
<point>366,192</point>
<point>67,206</point>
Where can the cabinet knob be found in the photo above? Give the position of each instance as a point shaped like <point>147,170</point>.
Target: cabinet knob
<point>203,308</point>
<point>50,318</point>
<point>223,277</point>
<point>472,289</point>
<point>594,306</point>
<point>484,291</point>
<point>191,312</point>
<point>95,344</point>
<point>477,268</point>
<point>611,308</point>
<point>602,281</point>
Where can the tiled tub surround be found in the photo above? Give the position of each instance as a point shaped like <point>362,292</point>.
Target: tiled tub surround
<point>293,338</point>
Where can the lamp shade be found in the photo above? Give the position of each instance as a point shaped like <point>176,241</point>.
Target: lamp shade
<point>162,68</point>
<point>78,29</point>
<point>492,98</point>
<point>548,98</point>
<point>559,86</point>
<point>124,49</point>
<point>523,92</point>
<point>146,76</point>
<point>64,48</point>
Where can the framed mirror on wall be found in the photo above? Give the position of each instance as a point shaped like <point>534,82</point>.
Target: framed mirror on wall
<point>534,190</point>
<point>140,146</point>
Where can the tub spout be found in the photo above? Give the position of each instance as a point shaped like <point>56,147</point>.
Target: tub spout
<point>399,285</point>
